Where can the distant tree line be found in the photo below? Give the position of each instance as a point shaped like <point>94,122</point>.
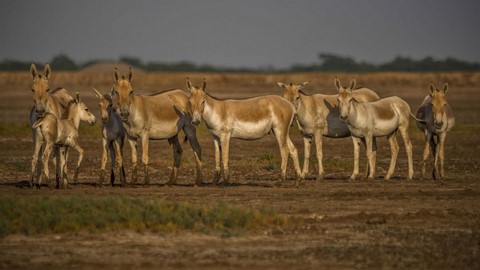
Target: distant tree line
<point>327,62</point>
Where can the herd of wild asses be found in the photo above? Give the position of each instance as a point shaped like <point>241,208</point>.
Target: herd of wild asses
<point>358,113</point>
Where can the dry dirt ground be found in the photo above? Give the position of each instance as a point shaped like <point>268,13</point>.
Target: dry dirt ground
<point>362,224</point>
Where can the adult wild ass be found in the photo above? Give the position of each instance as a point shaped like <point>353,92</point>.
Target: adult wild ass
<point>379,118</point>
<point>113,138</point>
<point>318,116</point>
<point>156,117</point>
<point>62,133</point>
<point>44,101</point>
<point>438,120</point>
<point>246,119</point>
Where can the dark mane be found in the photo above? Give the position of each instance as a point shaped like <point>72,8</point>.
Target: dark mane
<point>161,92</point>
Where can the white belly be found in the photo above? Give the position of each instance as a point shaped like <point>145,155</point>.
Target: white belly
<point>251,130</point>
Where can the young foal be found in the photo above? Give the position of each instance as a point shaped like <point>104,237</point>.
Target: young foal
<point>318,116</point>
<point>45,101</point>
<point>439,119</point>
<point>376,119</point>
<point>247,119</point>
<point>113,138</point>
<point>156,117</point>
<point>63,133</point>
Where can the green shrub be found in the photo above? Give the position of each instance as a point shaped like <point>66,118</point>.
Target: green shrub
<point>59,214</point>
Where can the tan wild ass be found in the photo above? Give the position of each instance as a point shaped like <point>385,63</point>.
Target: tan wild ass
<point>45,101</point>
<point>439,120</point>
<point>62,133</point>
<point>318,116</point>
<point>379,118</point>
<point>246,119</point>
<point>156,117</point>
<point>113,138</point>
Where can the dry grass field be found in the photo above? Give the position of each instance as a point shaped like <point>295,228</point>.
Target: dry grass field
<point>331,223</point>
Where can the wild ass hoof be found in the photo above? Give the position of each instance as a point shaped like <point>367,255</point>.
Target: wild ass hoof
<point>171,182</point>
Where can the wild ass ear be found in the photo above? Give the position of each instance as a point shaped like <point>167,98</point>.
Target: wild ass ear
<point>300,86</point>
<point>189,84</point>
<point>282,85</point>
<point>33,71</point>
<point>445,88</point>
<point>98,94</point>
<point>130,74</point>
<point>432,88</point>
<point>47,71</point>
<point>337,84</point>
<point>77,97</point>
<point>353,83</point>
<point>204,85</point>
<point>116,74</point>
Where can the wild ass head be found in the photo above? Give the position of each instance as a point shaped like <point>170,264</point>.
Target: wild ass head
<point>40,89</point>
<point>345,98</point>
<point>197,101</point>
<point>438,104</point>
<point>105,104</point>
<point>291,92</point>
<point>123,91</point>
<point>77,111</point>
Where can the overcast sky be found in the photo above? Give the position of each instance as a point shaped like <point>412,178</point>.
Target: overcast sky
<point>242,33</point>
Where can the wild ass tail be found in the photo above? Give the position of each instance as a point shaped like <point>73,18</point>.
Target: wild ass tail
<point>416,119</point>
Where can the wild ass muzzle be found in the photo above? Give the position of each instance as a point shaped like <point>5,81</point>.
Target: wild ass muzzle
<point>44,101</point>
<point>156,117</point>
<point>438,120</point>
<point>113,138</point>
<point>318,117</point>
<point>62,133</point>
<point>379,118</point>
<point>246,119</point>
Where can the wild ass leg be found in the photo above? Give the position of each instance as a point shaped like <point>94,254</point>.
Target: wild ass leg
<point>441,152</point>
<point>319,148</point>
<point>356,158</point>
<point>114,170</point>
<point>307,144</point>
<point>282,145</point>
<point>45,160</point>
<point>426,153</point>
<point>191,134</point>
<point>392,139</point>
<point>37,153</point>
<point>296,163</point>
<point>79,162</point>
<point>177,158</point>
<point>62,164</point>
<point>218,167</point>
<point>118,146</point>
<point>408,149</point>
<point>133,147</point>
<point>368,143</point>
<point>225,145</point>
<point>145,157</point>
<point>104,162</point>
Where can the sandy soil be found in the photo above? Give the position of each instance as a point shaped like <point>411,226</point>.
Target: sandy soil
<point>362,224</point>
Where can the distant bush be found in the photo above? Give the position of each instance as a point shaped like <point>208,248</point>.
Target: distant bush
<point>328,62</point>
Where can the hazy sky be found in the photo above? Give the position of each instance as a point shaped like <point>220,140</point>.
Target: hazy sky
<point>238,33</point>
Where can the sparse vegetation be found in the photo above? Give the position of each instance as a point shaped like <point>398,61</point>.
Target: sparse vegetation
<point>58,214</point>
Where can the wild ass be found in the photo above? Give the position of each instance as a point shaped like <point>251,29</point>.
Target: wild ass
<point>318,116</point>
<point>62,133</point>
<point>156,117</point>
<point>113,138</point>
<point>379,118</point>
<point>438,120</point>
<point>45,101</point>
<point>246,119</point>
